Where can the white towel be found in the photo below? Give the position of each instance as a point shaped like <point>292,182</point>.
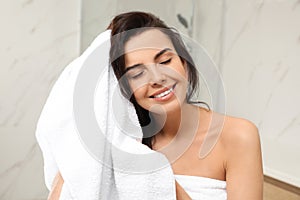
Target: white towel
<point>203,188</point>
<point>134,171</point>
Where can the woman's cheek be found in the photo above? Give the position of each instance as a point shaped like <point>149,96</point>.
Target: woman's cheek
<point>139,92</point>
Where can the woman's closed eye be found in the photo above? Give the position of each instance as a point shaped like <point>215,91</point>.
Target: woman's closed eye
<point>166,61</point>
<point>137,75</point>
<point>134,74</point>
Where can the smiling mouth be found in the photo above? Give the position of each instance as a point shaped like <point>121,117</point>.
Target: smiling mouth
<point>165,93</point>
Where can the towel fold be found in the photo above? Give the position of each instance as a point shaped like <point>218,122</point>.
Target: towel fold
<point>103,163</point>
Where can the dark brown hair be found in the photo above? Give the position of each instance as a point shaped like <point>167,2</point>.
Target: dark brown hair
<point>127,25</point>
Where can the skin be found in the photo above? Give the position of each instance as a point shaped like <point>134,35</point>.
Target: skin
<point>56,187</point>
<point>235,156</point>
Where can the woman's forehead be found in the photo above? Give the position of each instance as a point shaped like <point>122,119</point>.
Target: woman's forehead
<point>149,39</point>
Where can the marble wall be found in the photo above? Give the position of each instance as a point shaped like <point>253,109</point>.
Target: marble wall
<point>256,45</point>
<point>38,38</point>
<point>260,45</point>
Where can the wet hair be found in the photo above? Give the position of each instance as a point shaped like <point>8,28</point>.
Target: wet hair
<point>123,28</point>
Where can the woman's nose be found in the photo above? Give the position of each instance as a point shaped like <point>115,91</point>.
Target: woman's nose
<point>156,75</point>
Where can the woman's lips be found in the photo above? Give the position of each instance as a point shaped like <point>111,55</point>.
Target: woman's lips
<point>164,94</point>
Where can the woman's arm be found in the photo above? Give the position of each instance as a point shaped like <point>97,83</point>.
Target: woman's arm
<point>244,173</point>
<point>181,193</point>
<point>56,187</point>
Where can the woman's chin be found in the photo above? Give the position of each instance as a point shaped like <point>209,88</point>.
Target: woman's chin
<point>167,108</point>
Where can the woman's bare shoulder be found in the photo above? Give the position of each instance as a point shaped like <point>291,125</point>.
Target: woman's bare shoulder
<point>238,131</point>
<point>239,135</point>
<point>240,126</point>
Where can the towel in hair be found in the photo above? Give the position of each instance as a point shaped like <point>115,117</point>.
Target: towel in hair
<point>98,160</point>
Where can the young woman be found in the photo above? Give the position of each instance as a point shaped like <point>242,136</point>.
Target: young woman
<point>159,77</point>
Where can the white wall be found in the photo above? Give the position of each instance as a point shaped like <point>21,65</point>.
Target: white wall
<point>260,66</point>
<point>38,38</point>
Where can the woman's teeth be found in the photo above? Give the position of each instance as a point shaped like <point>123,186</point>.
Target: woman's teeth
<point>164,93</point>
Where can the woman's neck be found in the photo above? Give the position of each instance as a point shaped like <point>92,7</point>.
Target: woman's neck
<point>178,121</point>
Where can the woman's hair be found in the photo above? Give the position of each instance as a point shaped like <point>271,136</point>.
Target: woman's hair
<point>125,26</point>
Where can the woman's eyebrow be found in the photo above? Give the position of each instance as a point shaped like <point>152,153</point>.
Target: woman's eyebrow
<point>161,53</point>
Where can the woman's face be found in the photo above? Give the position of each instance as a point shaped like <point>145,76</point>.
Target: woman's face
<point>156,74</point>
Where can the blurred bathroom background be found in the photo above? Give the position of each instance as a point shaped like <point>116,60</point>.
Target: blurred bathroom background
<point>255,44</point>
